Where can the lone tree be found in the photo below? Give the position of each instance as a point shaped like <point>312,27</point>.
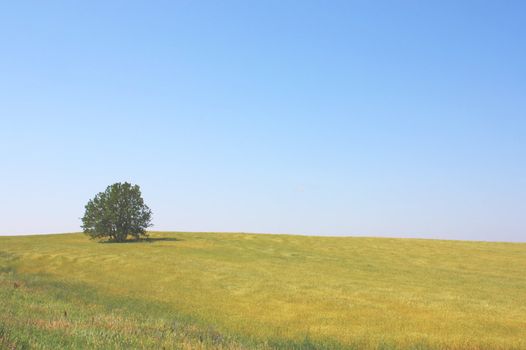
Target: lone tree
<point>117,213</point>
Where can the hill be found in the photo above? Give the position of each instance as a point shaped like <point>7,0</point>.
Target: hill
<point>236,291</point>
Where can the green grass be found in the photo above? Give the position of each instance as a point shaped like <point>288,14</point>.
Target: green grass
<point>245,291</point>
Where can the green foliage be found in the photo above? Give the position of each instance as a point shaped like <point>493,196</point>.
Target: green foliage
<point>117,213</point>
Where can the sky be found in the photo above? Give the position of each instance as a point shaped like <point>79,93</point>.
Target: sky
<point>377,118</point>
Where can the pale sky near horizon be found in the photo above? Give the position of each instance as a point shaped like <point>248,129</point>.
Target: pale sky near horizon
<point>381,118</point>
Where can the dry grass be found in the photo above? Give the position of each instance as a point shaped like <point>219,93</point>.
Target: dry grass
<point>284,291</point>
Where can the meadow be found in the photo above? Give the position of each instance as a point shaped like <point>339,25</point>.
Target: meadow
<point>259,291</point>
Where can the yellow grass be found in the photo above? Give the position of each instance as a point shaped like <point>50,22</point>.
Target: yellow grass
<point>373,292</point>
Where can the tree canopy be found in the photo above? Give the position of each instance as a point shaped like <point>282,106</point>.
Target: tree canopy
<point>117,213</point>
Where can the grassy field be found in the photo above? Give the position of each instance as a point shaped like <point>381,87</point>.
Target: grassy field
<point>245,291</point>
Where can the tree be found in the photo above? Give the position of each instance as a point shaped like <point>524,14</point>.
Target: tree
<point>117,213</point>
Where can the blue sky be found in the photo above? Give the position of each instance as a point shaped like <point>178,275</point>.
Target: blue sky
<point>384,118</point>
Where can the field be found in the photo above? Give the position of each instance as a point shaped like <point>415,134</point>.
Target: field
<point>247,291</point>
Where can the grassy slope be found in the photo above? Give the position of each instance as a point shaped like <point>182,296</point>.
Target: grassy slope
<point>212,290</point>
